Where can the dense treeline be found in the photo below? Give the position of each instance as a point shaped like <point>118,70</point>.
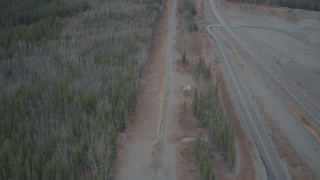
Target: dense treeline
<point>207,108</point>
<point>33,20</point>
<point>63,97</point>
<point>296,4</point>
<point>203,160</point>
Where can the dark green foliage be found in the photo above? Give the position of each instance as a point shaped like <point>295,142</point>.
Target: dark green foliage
<point>296,4</point>
<point>206,107</point>
<point>193,27</point>
<point>27,12</point>
<point>43,30</point>
<point>188,7</point>
<point>202,70</point>
<point>203,160</point>
<point>67,88</point>
<point>33,20</point>
<point>184,60</point>
<point>188,10</point>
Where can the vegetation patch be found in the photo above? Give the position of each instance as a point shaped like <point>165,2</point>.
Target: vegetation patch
<point>188,11</point>
<point>202,70</point>
<point>184,61</point>
<point>300,4</point>
<point>207,108</point>
<point>68,73</point>
<point>203,160</point>
<point>33,21</point>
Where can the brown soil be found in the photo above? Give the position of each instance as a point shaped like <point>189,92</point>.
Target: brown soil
<point>295,165</point>
<point>149,106</point>
<point>310,128</point>
<point>187,168</point>
<point>183,122</point>
<point>200,14</point>
<point>154,69</point>
<point>153,76</point>
<point>189,125</point>
<point>246,170</point>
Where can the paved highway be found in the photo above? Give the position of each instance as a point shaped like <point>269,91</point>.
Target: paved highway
<point>286,86</point>
<point>273,166</point>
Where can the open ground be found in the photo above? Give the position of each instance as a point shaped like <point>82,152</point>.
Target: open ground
<point>287,40</point>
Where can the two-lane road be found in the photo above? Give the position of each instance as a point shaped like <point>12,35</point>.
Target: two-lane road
<point>268,155</point>
<point>309,108</point>
<point>274,167</point>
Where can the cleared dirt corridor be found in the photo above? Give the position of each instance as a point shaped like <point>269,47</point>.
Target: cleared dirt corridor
<point>147,149</point>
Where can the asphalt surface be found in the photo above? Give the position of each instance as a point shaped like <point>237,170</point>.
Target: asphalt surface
<point>312,111</point>
<point>274,167</point>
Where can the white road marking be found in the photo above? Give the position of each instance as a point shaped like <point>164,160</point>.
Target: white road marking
<point>243,102</point>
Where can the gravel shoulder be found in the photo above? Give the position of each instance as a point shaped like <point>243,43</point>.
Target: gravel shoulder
<point>288,41</point>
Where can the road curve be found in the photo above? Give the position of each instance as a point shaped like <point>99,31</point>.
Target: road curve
<point>308,107</point>
<point>269,157</point>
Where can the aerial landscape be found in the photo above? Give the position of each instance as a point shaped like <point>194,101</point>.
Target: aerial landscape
<point>160,89</point>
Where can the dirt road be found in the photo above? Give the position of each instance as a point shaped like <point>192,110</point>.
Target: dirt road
<point>152,146</point>
<point>147,149</point>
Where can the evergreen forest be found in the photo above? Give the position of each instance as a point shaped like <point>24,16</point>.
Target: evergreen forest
<point>313,5</point>
<point>68,83</point>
